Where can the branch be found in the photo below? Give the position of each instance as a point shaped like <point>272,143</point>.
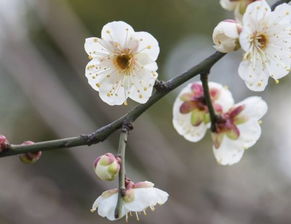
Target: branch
<point>103,132</point>
<point>213,116</point>
<point>279,2</point>
<point>162,89</point>
<point>121,176</point>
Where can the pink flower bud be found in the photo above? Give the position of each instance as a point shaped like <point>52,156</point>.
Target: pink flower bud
<point>3,143</point>
<point>30,157</point>
<point>107,166</point>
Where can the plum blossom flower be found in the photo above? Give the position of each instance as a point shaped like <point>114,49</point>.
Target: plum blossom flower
<point>190,112</point>
<point>266,40</point>
<point>237,130</point>
<point>238,6</point>
<point>138,197</point>
<point>123,63</point>
<point>226,36</point>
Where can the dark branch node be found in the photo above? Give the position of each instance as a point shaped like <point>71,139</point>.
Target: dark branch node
<point>161,86</point>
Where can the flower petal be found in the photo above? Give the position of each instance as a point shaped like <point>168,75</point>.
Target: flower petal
<point>146,197</point>
<point>255,12</point>
<point>94,48</point>
<point>106,207</point>
<point>224,97</point>
<point>118,32</point>
<point>147,44</point>
<point>250,132</point>
<point>253,74</point>
<point>142,82</point>
<point>229,152</point>
<point>254,107</point>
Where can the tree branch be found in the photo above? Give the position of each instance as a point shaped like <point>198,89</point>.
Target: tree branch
<point>103,132</point>
<point>121,176</point>
<point>212,114</point>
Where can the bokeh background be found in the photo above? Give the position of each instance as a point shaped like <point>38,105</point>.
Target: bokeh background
<point>44,95</point>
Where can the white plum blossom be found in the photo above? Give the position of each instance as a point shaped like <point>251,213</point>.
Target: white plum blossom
<point>190,112</point>
<point>123,63</point>
<point>237,126</point>
<point>238,6</point>
<point>266,40</point>
<point>138,197</point>
<point>237,130</point>
<point>225,36</point>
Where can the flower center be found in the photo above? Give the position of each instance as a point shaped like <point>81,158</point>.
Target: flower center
<point>260,41</point>
<point>124,61</point>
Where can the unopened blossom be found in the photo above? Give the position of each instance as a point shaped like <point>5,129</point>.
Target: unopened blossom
<point>30,157</point>
<point>237,130</point>
<point>3,143</point>
<point>266,40</point>
<point>238,6</point>
<point>123,63</point>
<point>190,112</point>
<point>138,197</point>
<point>107,166</point>
<point>225,36</point>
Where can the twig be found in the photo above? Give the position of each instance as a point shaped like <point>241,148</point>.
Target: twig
<point>121,177</point>
<point>103,132</point>
<point>213,116</point>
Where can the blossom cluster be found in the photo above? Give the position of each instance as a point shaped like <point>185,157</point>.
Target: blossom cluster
<point>137,197</point>
<point>123,65</point>
<point>263,35</point>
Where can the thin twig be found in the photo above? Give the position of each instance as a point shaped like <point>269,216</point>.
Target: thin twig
<point>213,116</point>
<point>103,132</point>
<point>121,176</point>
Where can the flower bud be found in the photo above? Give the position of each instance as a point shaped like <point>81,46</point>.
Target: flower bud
<point>3,143</point>
<point>30,157</point>
<point>225,36</point>
<point>107,167</point>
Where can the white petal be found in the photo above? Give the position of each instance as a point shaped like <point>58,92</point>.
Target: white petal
<point>93,47</point>
<point>141,83</point>
<point>255,12</point>
<point>147,44</point>
<point>250,132</point>
<point>254,107</point>
<point>146,197</point>
<point>281,13</point>
<point>112,89</point>
<point>103,77</point>
<point>118,31</point>
<point>106,207</point>
<point>229,152</point>
<point>253,74</point>
<point>225,98</point>
<point>244,38</point>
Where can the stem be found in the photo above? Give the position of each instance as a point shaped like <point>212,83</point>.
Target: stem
<point>121,176</point>
<point>102,133</point>
<point>213,116</point>
<point>279,3</point>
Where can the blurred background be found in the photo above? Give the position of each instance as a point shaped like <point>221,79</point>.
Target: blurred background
<point>44,95</point>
